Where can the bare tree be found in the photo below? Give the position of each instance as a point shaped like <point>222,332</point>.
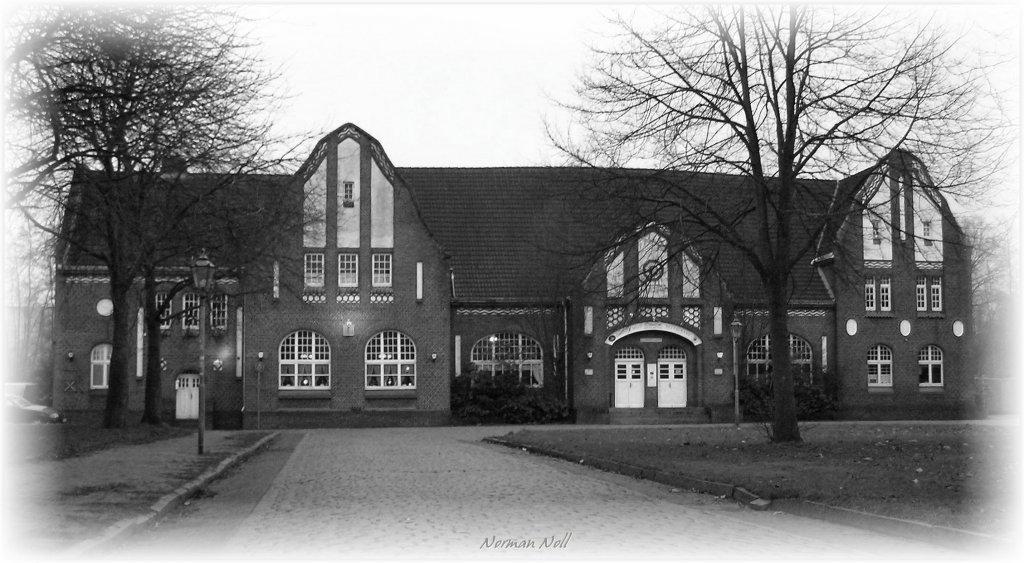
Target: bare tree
<point>114,112</point>
<point>777,97</point>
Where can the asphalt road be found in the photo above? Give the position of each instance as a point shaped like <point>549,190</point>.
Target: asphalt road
<point>439,493</point>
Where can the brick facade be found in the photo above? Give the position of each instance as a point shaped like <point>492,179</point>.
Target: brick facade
<point>465,264</point>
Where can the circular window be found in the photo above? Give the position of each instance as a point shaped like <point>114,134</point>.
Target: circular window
<point>958,328</point>
<point>851,327</point>
<point>653,270</point>
<point>104,307</point>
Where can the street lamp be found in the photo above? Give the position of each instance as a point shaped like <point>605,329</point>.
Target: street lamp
<point>736,327</point>
<point>202,279</point>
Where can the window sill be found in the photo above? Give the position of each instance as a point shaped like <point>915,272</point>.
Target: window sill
<point>390,393</point>
<point>304,393</point>
<point>880,390</point>
<point>931,389</point>
<point>878,314</point>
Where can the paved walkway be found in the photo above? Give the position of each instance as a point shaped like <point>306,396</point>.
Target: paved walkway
<point>439,493</point>
<point>432,492</point>
<point>50,506</point>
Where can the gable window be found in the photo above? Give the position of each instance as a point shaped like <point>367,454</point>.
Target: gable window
<point>653,256</point>
<point>509,353</point>
<point>348,270</point>
<point>304,361</point>
<point>165,313</point>
<point>390,361</point>
<point>879,366</point>
<point>885,293</point>
<point>922,293</point>
<point>936,293</point>
<point>876,232</point>
<point>616,275</point>
<point>313,270</point>
<point>99,366</point>
<point>929,361</point>
<point>348,194</point>
<point>870,303</point>
<point>926,232</point>
<point>219,312</point>
<point>381,270</point>
<point>190,311</point>
<point>691,276</point>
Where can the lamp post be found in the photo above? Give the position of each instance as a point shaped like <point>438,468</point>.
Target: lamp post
<point>736,327</point>
<point>202,279</point>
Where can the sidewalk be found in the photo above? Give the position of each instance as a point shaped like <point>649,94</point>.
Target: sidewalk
<point>62,508</point>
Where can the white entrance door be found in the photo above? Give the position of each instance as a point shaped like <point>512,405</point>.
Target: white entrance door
<point>187,397</point>
<point>672,378</point>
<point>629,379</point>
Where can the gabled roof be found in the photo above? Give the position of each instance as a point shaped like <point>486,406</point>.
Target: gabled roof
<point>527,234</point>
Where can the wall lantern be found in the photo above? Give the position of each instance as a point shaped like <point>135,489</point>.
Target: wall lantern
<point>218,364</point>
<point>433,357</point>
<point>71,356</point>
<point>259,356</point>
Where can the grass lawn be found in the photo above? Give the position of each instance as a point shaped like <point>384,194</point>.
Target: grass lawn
<point>59,441</point>
<point>950,474</point>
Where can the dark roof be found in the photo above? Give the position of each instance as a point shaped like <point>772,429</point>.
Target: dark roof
<point>527,234</point>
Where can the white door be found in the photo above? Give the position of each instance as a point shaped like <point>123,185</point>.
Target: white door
<point>671,383</point>
<point>629,379</point>
<point>186,397</point>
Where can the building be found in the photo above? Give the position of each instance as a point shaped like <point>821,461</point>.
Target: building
<point>400,279</point>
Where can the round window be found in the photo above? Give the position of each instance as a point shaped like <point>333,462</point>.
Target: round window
<point>104,307</point>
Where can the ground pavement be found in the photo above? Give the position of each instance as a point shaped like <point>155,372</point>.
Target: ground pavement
<point>422,493</point>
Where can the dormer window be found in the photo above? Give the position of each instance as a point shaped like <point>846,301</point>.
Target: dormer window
<point>348,194</point>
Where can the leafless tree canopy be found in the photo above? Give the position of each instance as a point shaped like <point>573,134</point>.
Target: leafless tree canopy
<point>129,128</point>
<point>779,97</point>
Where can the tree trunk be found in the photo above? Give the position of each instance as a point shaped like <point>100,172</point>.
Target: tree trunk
<point>116,413</point>
<point>152,413</point>
<point>784,421</point>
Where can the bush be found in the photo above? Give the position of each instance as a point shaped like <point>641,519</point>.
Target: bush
<point>812,403</point>
<point>478,399</point>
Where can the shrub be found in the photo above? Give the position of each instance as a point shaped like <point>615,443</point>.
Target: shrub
<point>478,399</point>
<point>812,402</point>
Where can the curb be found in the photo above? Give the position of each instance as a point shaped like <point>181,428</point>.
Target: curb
<point>947,537</point>
<point>166,503</point>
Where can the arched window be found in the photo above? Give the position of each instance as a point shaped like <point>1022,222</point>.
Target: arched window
<point>510,353</point>
<point>759,359</point>
<point>390,361</point>
<point>305,361</point>
<point>879,366</point>
<point>929,360</point>
<point>99,366</point>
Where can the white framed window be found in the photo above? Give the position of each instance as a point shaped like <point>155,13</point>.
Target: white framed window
<point>313,270</point>
<point>190,311</point>
<point>759,359</point>
<point>219,312</point>
<point>926,232</point>
<point>870,303</point>
<point>876,232</point>
<point>885,293</point>
<point>653,257</point>
<point>99,366</point>
<point>929,361</point>
<point>922,293</point>
<point>510,353</point>
<point>390,361</point>
<point>936,293</point>
<point>348,269</point>
<point>304,361</point>
<point>879,366</point>
<point>165,314</point>
<point>382,270</point>
<point>348,194</point>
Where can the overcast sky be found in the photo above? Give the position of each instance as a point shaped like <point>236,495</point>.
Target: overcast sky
<point>467,84</point>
